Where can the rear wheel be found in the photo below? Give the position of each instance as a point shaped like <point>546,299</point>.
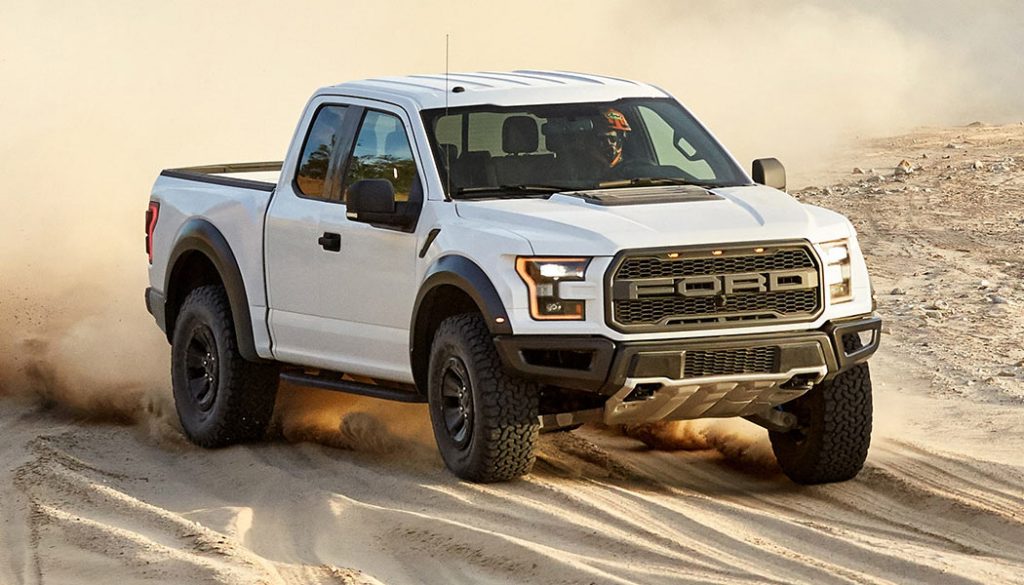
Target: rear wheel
<point>485,419</point>
<point>834,430</point>
<point>221,398</point>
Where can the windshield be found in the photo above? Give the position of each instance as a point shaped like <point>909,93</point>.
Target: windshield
<point>525,151</point>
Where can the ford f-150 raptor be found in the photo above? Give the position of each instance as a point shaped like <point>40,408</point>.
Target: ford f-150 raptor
<point>525,252</point>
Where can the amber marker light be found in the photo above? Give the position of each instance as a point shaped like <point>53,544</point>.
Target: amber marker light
<point>542,277</point>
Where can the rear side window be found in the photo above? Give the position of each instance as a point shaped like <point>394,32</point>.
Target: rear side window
<point>323,137</point>
<point>382,151</point>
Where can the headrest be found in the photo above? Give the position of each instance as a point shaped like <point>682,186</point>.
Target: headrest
<point>519,135</point>
<point>396,144</point>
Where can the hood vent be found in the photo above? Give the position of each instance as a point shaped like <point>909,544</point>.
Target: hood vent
<point>645,195</point>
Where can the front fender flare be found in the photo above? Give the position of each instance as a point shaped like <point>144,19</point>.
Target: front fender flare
<point>465,275</point>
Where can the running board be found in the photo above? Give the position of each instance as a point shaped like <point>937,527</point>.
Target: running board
<point>371,390</point>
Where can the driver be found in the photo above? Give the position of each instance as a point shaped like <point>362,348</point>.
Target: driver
<point>610,134</point>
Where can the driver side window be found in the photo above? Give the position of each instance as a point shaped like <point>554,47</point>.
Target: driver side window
<point>382,151</point>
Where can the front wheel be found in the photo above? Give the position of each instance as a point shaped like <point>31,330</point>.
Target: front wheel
<point>833,434</point>
<point>485,419</point>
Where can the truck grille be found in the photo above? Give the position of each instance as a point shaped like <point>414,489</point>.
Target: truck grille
<point>722,287</point>
<point>722,362</point>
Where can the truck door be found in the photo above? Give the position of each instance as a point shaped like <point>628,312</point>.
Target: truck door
<point>294,247</point>
<point>369,285</point>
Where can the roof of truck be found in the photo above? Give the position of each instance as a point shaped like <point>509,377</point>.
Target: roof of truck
<point>497,88</point>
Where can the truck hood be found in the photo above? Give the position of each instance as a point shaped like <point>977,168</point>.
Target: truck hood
<point>566,224</point>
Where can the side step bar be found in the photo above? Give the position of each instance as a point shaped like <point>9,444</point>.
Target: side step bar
<point>338,385</point>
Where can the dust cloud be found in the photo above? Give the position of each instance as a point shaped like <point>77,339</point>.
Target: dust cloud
<point>352,422</point>
<point>108,94</point>
<point>740,443</point>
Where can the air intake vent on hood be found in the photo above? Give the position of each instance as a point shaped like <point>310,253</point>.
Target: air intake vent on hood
<point>645,195</point>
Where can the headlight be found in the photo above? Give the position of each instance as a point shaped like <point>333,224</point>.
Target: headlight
<point>837,270</point>
<point>542,277</point>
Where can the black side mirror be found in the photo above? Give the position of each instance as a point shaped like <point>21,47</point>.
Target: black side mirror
<point>770,172</point>
<point>370,200</point>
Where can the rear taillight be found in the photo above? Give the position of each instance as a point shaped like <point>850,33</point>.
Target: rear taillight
<point>151,216</point>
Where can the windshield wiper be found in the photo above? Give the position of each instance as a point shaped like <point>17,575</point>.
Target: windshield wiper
<point>655,181</point>
<point>510,190</point>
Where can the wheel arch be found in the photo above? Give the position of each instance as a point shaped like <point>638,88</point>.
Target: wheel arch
<point>452,285</point>
<point>202,256</point>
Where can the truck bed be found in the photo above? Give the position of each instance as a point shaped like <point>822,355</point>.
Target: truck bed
<point>235,206</point>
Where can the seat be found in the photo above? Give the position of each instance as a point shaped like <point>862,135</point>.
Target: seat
<point>519,136</point>
<point>474,169</point>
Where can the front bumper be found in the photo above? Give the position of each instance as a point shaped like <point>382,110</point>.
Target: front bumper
<point>600,365</point>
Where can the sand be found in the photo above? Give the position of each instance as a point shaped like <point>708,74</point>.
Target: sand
<point>351,490</point>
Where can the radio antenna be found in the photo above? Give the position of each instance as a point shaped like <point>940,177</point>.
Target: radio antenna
<point>447,151</point>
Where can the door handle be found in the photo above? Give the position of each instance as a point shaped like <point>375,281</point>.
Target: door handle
<point>330,242</point>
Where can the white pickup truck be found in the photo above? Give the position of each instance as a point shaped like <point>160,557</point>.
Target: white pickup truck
<point>525,252</point>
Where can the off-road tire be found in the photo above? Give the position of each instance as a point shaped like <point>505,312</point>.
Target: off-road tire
<point>500,431</point>
<point>834,431</point>
<point>238,400</point>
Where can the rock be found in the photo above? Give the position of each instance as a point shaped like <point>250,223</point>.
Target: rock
<point>858,171</point>
<point>977,165</point>
<point>904,168</point>
<point>1006,373</point>
<point>1000,167</point>
<point>924,155</point>
<point>897,291</point>
<point>939,305</point>
<point>997,300</point>
<point>875,178</point>
<point>984,284</point>
<point>977,124</point>
<point>932,314</point>
<point>952,146</point>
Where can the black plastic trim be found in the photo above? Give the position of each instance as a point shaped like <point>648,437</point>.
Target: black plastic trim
<point>199,235</point>
<point>350,387</point>
<point>431,236</point>
<point>463,274</point>
<point>156,304</point>
<point>614,361</point>
<point>512,350</point>
<point>838,329</point>
<point>191,175</point>
<point>797,349</point>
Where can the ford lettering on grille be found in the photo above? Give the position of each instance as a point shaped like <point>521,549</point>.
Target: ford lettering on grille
<point>732,287</point>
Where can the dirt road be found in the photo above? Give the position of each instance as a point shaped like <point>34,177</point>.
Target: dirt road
<point>345,494</point>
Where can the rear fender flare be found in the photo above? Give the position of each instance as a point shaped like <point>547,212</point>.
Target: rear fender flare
<point>199,235</point>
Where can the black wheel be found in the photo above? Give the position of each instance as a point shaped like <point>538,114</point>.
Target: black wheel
<point>834,430</point>
<point>221,397</point>
<point>485,419</point>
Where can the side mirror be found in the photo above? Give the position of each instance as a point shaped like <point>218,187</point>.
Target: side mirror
<point>370,200</point>
<point>770,172</point>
